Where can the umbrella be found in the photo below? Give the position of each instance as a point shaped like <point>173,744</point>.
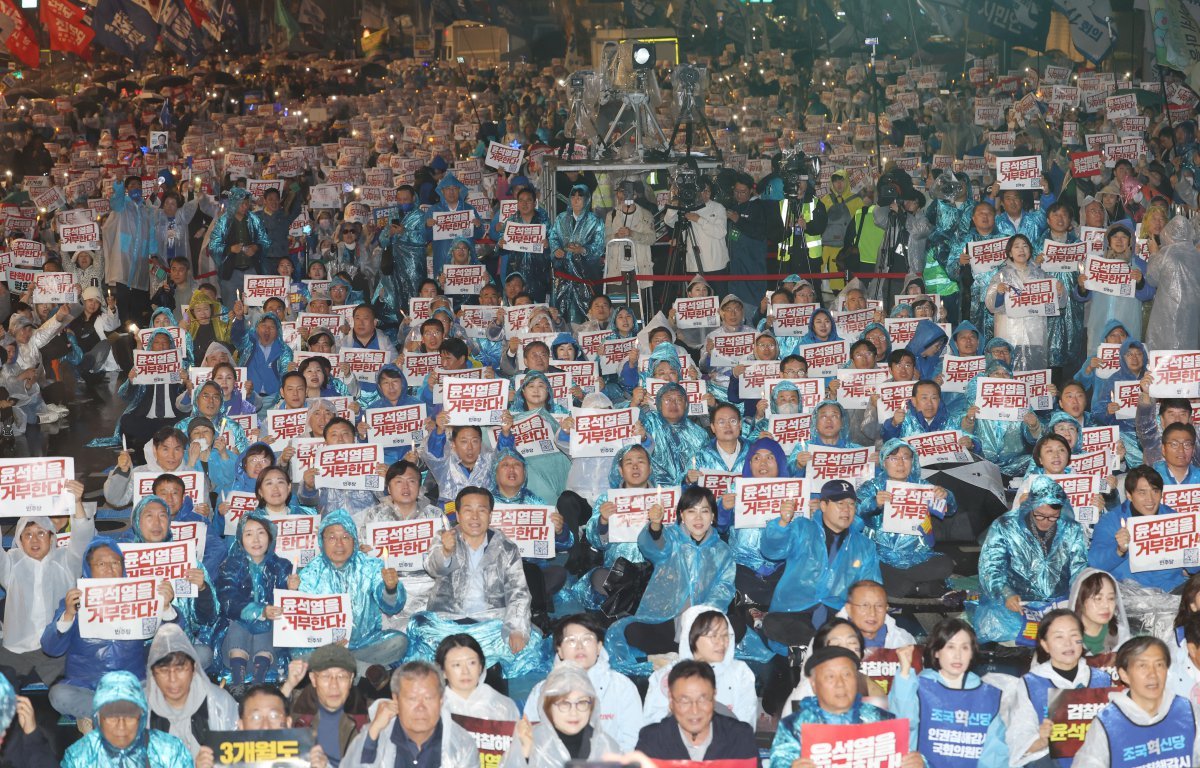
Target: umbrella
<point>126,85</point>
<point>222,78</point>
<point>372,69</point>
<point>30,92</point>
<point>97,92</point>
<point>253,68</point>
<point>165,81</point>
<point>108,75</point>
<point>87,106</point>
<point>147,96</point>
<point>977,487</point>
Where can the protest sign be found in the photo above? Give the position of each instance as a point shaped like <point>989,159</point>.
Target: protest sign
<point>720,483</point>
<point>826,358</point>
<point>758,500</point>
<point>402,544</point>
<point>476,319</point>
<point>754,376</point>
<point>1019,172</point>
<point>1001,399</point>
<point>907,512</point>
<point>1037,388</point>
<point>847,746</point>
<point>528,526</point>
<point>957,371</point>
<point>943,447</point>
<point>260,749</point>
<point>1113,277</point>
<point>296,538</point>
<point>791,319</point>
<point>516,319</point>
<point>986,255</point>
<point>36,486</point>
<point>1036,298</point>
<point>534,435</point>
<point>1081,489</point>
<point>240,504</point>
<point>170,560</point>
<point>503,157</point>
<point>1176,373</point>
<point>350,467</point>
<point>1072,710</point>
<point>601,431</point>
<point>493,738</point>
<point>156,367</point>
<point>698,312</point>
<point>1063,257</point>
<point>881,665</point>
<point>285,424</point>
<point>194,485</point>
<point>119,609</point>
<point>827,463</point>
<point>525,238</point>
<point>790,430</point>
<point>856,387</point>
<point>633,508</point>
<point>729,349</point>
<point>1164,541</point>
<point>893,398</point>
<point>478,402</point>
<point>1127,394</point>
<point>401,425</point>
<point>1182,498</point>
<point>851,323</point>
<point>584,373</point>
<point>1087,164</point>
<point>310,621</point>
<point>364,363</point>
<point>312,321</point>
<point>451,225</point>
<point>464,279</point>
<point>256,289</point>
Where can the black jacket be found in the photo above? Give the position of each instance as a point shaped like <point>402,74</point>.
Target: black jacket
<point>732,740</point>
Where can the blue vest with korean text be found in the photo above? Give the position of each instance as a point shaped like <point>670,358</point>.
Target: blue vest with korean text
<point>1167,742</point>
<point>954,723</point>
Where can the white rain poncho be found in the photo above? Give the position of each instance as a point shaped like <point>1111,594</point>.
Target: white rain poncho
<point>35,587</point>
<point>548,749</point>
<point>618,703</point>
<point>1175,271</point>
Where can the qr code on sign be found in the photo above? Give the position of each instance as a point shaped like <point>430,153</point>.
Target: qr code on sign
<point>541,549</point>
<point>373,483</point>
<point>149,627</point>
<point>545,446</point>
<point>1191,557</point>
<point>338,634</point>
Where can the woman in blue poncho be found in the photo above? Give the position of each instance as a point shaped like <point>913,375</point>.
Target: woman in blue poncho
<point>1032,553</point>
<point>908,563</point>
<point>547,471</point>
<point>246,585</point>
<point>1134,358</point>
<point>1001,442</point>
<point>676,438</point>
<point>577,249</point>
<point>692,566</point>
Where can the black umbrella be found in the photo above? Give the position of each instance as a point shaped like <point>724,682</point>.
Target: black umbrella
<point>108,75</point>
<point>222,78</point>
<point>87,107</point>
<point>29,92</point>
<point>372,69</point>
<point>97,92</point>
<point>128,86</point>
<point>253,68</point>
<point>1144,98</point>
<point>165,81</point>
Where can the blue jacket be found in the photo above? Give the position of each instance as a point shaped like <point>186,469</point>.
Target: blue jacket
<point>810,576</point>
<point>246,587</point>
<point>786,748</point>
<point>1103,552</point>
<point>88,660</point>
<point>899,550</point>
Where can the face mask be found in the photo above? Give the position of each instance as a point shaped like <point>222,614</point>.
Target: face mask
<point>406,207</point>
<point>135,195</point>
<point>788,409</point>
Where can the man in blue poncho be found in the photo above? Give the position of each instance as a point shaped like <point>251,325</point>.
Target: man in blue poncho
<point>124,737</point>
<point>375,590</point>
<point>402,264</point>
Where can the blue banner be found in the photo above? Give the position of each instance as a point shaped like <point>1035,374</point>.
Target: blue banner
<point>125,28</point>
<point>180,33</point>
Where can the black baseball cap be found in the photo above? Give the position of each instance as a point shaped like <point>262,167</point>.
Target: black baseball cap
<point>836,490</point>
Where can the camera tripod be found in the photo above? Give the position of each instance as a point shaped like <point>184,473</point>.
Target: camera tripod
<point>683,239</point>
<point>688,125</point>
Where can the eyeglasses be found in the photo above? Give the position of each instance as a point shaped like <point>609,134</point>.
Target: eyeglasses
<point>1177,444</point>
<point>582,705</point>
<point>125,719</point>
<point>730,422</point>
<point>686,703</point>
<point>1045,518</point>
<point>35,533</point>
<point>335,676</point>
<point>577,641</point>
<point>871,607</point>
<point>173,669</point>
<point>273,716</point>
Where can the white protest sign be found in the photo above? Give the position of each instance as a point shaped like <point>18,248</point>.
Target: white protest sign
<point>118,609</point>
<point>602,432</point>
<point>528,526</point>
<point>310,621</point>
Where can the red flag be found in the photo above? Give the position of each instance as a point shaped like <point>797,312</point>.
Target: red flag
<point>21,41</point>
<point>196,11</point>
<point>61,20</point>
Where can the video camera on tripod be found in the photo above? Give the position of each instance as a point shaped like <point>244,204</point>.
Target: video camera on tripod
<point>685,178</point>
<point>797,168</point>
<point>893,186</point>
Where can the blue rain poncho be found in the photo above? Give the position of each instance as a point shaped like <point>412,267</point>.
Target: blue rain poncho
<point>527,495</point>
<point>149,749</point>
<point>674,443</point>
<point>879,353</point>
<point>442,248</point>
<point>1088,380</point>
<point>1000,442</point>
<point>946,218</point>
<point>811,337</point>
<point>1066,331</point>
<point>189,352</point>
<point>88,659</point>
<point>377,400</point>
<point>746,542</point>
<point>786,747</point>
<point>686,572</point>
<point>451,474</point>
<point>1102,553</point>
<point>1014,561</point>
<point>200,616</point>
<point>928,336</point>
<point>128,240</point>
<point>222,425</point>
<point>1102,307</point>
<point>599,538</point>
<point>953,400</point>
<point>571,297</point>
<point>361,577</point>
<point>403,268</point>
<point>534,268</point>
<point>843,439</point>
<point>246,587</point>
<point>1033,225</point>
<point>753,428</point>
<point>266,371</point>
<point>219,238</point>
<point>1102,396</point>
<point>810,576</point>
<point>974,308</point>
<point>898,550</point>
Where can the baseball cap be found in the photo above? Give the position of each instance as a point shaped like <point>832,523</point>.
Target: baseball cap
<point>829,653</point>
<point>836,490</point>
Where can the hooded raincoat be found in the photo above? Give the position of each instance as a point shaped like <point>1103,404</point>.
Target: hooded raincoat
<point>572,296</point>
<point>207,707</point>
<point>128,240</point>
<point>899,550</point>
<point>245,587</point>
<point>548,749</point>
<point>361,577</point>
<point>150,748</point>
<point>1015,560</point>
<point>34,587</point>
<point>403,267</point>
<point>1028,335</point>
<point>617,699</point>
<point>1000,442</point>
<point>1175,272</point>
<point>675,443</point>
